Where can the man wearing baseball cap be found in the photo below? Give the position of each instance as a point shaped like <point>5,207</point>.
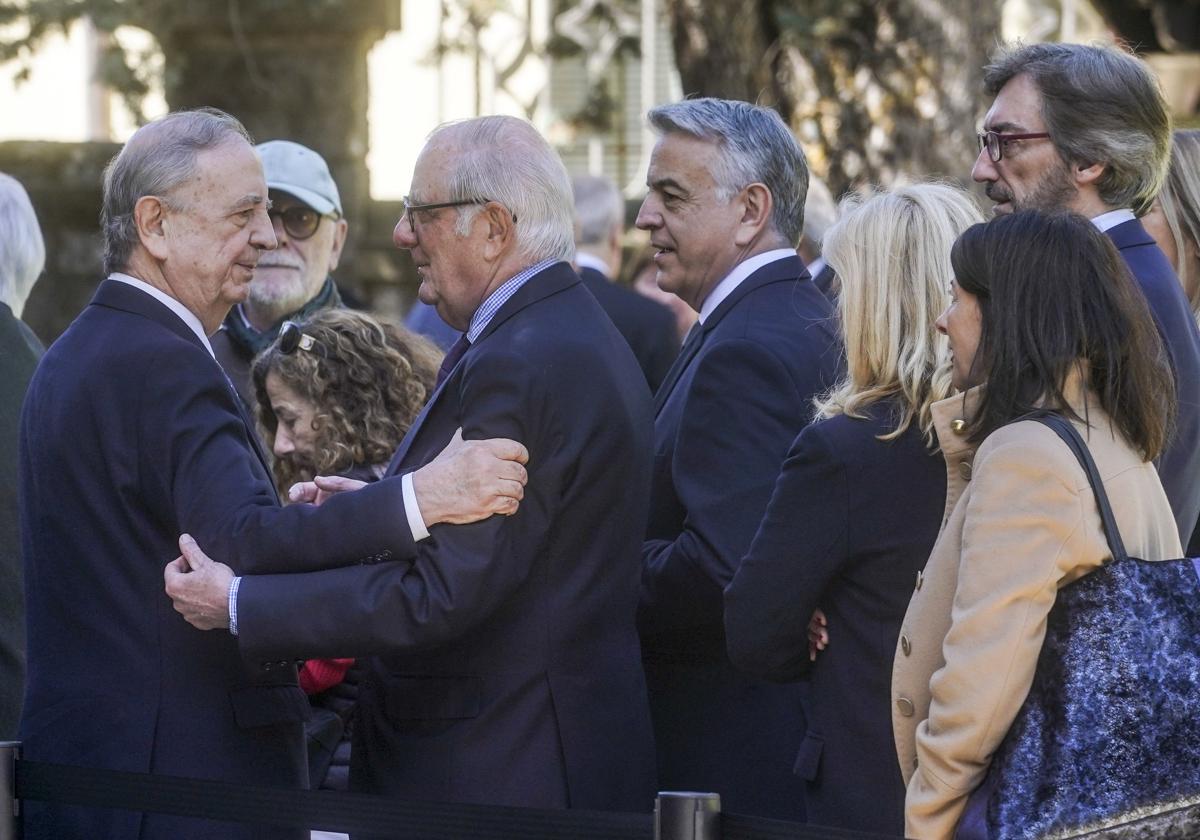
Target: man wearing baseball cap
<point>293,280</point>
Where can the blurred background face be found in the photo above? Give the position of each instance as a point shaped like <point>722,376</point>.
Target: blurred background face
<point>295,438</point>
<point>291,275</point>
<point>962,324</point>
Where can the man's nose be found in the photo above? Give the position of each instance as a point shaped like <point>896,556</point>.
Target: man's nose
<point>648,216</point>
<point>263,235</point>
<point>283,443</point>
<point>984,170</point>
<point>403,234</point>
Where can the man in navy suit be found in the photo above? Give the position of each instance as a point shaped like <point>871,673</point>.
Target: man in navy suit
<point>725,208</point>
<point>648,326</point>
<point>1086,129</point>
<point>505,661</point>
<point>131,434</point>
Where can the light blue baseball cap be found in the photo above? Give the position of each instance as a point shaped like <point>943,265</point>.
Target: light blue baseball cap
<point>301,172</point>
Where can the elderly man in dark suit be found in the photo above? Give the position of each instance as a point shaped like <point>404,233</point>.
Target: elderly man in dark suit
<point>727,182</point>
<point>506,665</point>
<point>1086,129</point>
<point>648,326</point>
<point>22,255</point>
<point>131,433</point>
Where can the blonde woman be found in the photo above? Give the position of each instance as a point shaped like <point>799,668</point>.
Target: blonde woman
<point>858,503</point>
<point>1174,222</point>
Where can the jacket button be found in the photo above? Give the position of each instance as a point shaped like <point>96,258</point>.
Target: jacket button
<point>920,579</point>
<point>905,645</point>
<point>904,706</point>
<point>964,469</point>
<point>958,426</point>
<point>267,666</point>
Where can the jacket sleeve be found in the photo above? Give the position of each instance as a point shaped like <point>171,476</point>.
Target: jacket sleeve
<point>1023,532</point>
<point>459,576</point>
<point>798,550</point>
<point>195,451</point>
<point>742,411</point>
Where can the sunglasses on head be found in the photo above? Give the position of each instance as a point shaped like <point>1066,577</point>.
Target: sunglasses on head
<point>291,339</point>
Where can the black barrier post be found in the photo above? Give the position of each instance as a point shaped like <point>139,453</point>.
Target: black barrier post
<point>682,815</point>
<point>10,751</point>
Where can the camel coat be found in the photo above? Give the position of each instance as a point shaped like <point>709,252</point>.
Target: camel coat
<point>1021,521</point>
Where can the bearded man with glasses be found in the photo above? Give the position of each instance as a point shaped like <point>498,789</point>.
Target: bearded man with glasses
<point>295,279</point>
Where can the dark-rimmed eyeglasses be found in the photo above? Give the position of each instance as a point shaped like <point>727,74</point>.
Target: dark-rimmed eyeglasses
<point>299,220</point>
<point>292,338</point>
<point>410,208</point>
<point>995,142</point>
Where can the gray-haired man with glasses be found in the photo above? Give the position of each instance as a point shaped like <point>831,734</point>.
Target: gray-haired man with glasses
<point>295,279</point>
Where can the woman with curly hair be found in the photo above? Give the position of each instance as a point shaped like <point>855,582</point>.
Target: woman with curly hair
<point>337,392</point>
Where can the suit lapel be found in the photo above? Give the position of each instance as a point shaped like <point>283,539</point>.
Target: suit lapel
<point>550,280</point>
<point>114,294</point>
<point>788,268</point>
<point>690,348</point>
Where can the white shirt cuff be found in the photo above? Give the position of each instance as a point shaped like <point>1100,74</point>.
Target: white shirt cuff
<point>233,590</point>
<point>413,511</point>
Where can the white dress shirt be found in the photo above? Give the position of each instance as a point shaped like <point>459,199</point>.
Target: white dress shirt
<point>740,272</point>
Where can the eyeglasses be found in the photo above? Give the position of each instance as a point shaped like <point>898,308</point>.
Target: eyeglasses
<point>299,220</point>
<point>291,339</point>
<point>995,142</point>
<point>410,208</point>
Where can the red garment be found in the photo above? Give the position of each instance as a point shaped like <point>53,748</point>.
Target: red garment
<point>319,674</point>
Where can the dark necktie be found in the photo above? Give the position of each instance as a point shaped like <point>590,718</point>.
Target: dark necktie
<point>456,351</point>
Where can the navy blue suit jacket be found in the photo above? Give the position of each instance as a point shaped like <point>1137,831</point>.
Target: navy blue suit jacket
<point>728,411</point>
<point>131,434</point>
<point>851,522</point>
<point>649,327</point>
<point>506,667</point>
<point>1179,465</point>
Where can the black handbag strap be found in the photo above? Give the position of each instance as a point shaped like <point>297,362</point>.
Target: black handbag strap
<point>1063,428</point>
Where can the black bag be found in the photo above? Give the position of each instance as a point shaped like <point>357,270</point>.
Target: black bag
<point>1107,743</point>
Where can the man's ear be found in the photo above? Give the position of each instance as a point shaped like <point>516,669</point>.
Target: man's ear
<point>149,215</point>
<point>757,204</point>
<point>1088,173</point>
<point>501,228</point>
<point>339,241</point>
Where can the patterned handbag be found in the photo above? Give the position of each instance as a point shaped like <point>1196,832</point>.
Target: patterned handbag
<point>1107,743</point>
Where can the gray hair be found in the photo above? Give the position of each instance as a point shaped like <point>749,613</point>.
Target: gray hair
<point>755,146</point>
<point>504,159</point>
<point>1180,203</point>
<point>1100,105</point>
<point>22,251</point>
<point>159,157</point>
<point>598,207</point>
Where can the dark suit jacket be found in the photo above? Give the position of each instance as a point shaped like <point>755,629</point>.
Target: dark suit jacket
<point>649,327</point>
<point>1179,466</point>
<point>19,353</point>
<point>131,434</point>
<point>851,522</point>
<point>507,664</point>
<point>727,413</point>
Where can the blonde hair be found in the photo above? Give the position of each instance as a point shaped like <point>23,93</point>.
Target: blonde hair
<point>1180,203</point>
<point>891,252</point>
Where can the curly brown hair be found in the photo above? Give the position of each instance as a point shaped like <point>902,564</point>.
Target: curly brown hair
<point>367,381</point>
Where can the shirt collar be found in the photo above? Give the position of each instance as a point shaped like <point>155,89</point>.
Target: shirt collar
<point>1108,221</point>
<point>586,260</point>
<point>488,309</point>
<point>740,272</point>
<point>185,314</point>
